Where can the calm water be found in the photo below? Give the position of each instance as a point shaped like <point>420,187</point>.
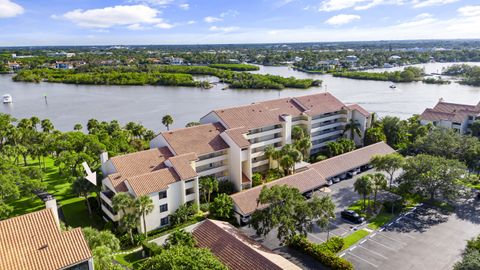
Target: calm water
<point>70,104</point>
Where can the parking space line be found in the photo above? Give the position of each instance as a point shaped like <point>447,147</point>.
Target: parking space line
<point>374,265</point>
<point>316,237</point>
<point>378,243</point>
<point>381,234</point>
<point>373,252</point>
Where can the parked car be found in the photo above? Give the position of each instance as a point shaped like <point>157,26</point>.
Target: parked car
<point>308,195</point>
<point>350,174</point>
<point>329,182</point>
<point>336,179</point>
<point>352,216</point>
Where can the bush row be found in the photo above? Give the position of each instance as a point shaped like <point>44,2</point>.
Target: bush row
<point>324,253</point>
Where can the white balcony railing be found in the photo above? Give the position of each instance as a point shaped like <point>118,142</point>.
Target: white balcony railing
<point>210,160</point>
<point>213,171</point>
<point>264,133</point>
<point>267,142</point>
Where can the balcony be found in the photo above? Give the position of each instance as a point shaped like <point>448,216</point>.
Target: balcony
<point>260,163</point>
<point>267,142</point>
<point>212,171</point>
<point>327,134</point>
<point>336,124</point>
<point>106,210</point>
<point>107,196</point>
<point>210,160</point>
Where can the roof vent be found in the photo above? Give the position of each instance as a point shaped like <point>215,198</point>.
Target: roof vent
<point>43,247</point>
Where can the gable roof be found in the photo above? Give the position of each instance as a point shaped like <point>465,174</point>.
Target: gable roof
<point>152,182</point>
<point>450,112</point>
<point>359,109</point>
<point>345,162</point>
<point>236,250</point>
<point>34,241</point>
<point>182,166</point>
<point>202,139</point>
<point>246,201</point>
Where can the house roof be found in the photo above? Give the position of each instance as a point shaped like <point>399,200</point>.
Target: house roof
<point>153,181</point>
<point>202,139</point>
<point>450,112</point>
<point>270,112</point>
<point>182,166</point>
<point>350,160</point>
<point>246,201</point>
<point>313,177</point>
<point>35,242</point>
<point>236,250</point>
<point>359,109</point>
<point>238,137</point>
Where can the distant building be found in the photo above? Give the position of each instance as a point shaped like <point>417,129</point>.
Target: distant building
<point>61,54</point>
<point>63,65</point>
<point>394,58</point>
<point>174,60</point>
<point>351,59</point>
<point>35,241</point>
<point>458,117</point>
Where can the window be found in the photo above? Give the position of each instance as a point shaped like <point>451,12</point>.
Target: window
<point>163,208</point>
<point>189,191</point>
<point>164,221</point>
<point>162,194</point>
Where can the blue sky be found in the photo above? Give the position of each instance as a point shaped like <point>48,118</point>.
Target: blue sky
<point>89,22</point>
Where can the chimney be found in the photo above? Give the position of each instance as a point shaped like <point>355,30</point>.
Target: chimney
<point>51,203</point>
<point>103,157</point>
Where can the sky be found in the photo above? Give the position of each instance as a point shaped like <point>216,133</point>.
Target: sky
<point>144,22</point>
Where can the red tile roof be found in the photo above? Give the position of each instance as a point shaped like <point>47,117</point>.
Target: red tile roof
<point>360,109</point>
<point>202,139</point>
<point>236,250</point>
<point>246,201</point>
<point>182,165</point>
<point>35,242</point>
<point>351,160</point>
<point>450,112</point>
<point>152,182</point>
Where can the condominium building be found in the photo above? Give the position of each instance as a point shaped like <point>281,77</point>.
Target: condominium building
<point>35,241</point>
<point>228,145</point>
<point>458,117</point>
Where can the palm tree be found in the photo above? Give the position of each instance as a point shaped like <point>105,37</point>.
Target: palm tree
<point>167,120</point>
<point>272,154</point>
<point>121,202</point>
<point>208,185</point>
<point>286,162</point>
<point>304,145</point>
<point>296,157</point>
<point>354,127</point>
<point>144,206</point>
<point>297,133</point>
<point>130,222</point>
<point>77,127</point>
<point>363,186</point>
<point>46,125</point>
<point>35,121</point>
<point>379,182</point>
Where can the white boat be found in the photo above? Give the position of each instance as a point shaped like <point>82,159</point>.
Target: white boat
<point>7,98</point>
<point>393,86</point>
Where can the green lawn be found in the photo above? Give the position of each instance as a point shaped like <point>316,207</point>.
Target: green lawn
<point>354,238</point>
<point>130,260</point>
<point>378,221</point>
<point>74,208</point>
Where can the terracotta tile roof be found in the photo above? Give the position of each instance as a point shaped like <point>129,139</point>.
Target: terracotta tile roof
<point>450,112</point>
<point>236,250</point>
<point>137,163</point>
<point>182,166</point>
<point>267,113</point>
<point>237,135</point>
<point>432,115</point>
<point>202,139</point>
<point>348,161</point>
<point>453,107</point>
<point>246,201</point>
<point>152,182</point>
<point>35,242</point>
<point>360,109</point>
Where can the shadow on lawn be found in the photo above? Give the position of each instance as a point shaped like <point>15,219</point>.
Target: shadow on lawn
<point>75,213</point>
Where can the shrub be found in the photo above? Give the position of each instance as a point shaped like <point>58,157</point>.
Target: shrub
<point>151,249</point>
<point>333,245</point>
<point>204,207</point>
<point>320,253</point>
<point>257,179</point>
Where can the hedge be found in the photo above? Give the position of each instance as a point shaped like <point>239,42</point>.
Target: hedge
<point>151,249</point>
<point>324,253</point>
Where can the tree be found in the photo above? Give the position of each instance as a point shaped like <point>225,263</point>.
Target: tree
<point>374,135</point>
<point>363,186</point>
<point>287,163</point>
<point>304,145</point>
<point>288,211</point>
<point>181,215</point>
<point>273,155</point>
<point>103,257</point>
<point>83,188</point>
<point>167,121</point>
<point>179,237</point>
<point>379,182</point>
<point>96,238</point>
<point>208,185</point>
<point>475,127</point>
<point>144,206</point>
<point>129,222</point>
<point>47,126</point>
<point>395,131</point>
<point>222,207</point>
<point>192,124</point>
<point>183,257</point>
<point>77,127</point>
<point>257,179</point>
<point>430,176</point>
<point>353,126</point>
<point>121,202</point>
<point>297,133</point>
<point>388,163</point>
<point>470,261</point>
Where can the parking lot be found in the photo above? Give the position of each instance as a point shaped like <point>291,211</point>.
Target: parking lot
<point>424,238</point>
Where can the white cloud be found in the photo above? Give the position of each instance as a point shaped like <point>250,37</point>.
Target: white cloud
<point>113,16</point>
<point>333,5</point>
<point>428,3</point>
<point>468,11</point>
<point>9,9</point>
<point>184,6</point>
<point>152,2</point>
<point>342,19</point>
<point>211,19</point>
<point>191,22</point>
<point>420,19</point>
<point>135,26</point>
<point>223,29</point>
<point>229,13</point>
<point>164,25</point>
